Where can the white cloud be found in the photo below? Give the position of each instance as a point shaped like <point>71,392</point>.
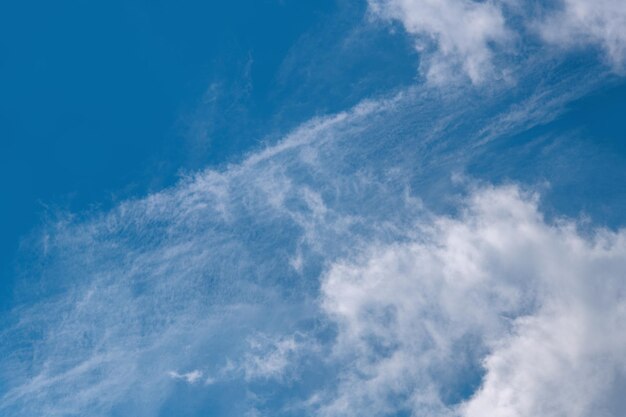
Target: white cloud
<point>180,279</point>
<point>273,358</point>
<point>463,34</point>
<point>480,38</point>
<point>585,22</point>
<point>541,306</point>
<point>189,377</point>
<point>177,280</point>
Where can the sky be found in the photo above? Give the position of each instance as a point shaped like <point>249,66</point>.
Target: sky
<point>325,208</point>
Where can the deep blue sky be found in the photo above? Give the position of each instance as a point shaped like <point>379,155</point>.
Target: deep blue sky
<point>109,100</point>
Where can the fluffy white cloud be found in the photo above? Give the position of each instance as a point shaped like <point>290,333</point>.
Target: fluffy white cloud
<point>538,307</point>
<point>475,37</point>
<point>462,32</point>
<point>585,22</point>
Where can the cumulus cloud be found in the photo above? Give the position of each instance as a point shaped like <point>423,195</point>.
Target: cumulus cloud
<point>581,22</point>
<point>496,312</point>
<point>453,34</point>
<point>480,38</point>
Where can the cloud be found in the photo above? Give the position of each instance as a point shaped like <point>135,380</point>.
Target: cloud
<point>453,34</point>
<point>179,279</point>
<point>269,358</point>
<point>578,23</point>
<point>185,278</point>
<point>495,312</point>
<point>189,377</point>
<point>487,40</point>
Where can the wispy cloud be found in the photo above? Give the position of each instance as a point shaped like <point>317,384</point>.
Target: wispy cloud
<point>122,304</point>
<point>269,358</point>
<point>190,377</point>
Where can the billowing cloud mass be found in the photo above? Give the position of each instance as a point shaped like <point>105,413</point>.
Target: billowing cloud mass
<point>521,316</point>
<point>476,37</point>
<point>582,22</point>
<point>462,31</point>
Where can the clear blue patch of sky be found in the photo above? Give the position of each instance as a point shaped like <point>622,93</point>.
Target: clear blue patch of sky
<point>105,101</point>
<point>578,159</point>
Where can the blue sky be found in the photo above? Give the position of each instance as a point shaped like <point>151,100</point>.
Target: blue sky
<point>105,102</point>
<point>329,208</point>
